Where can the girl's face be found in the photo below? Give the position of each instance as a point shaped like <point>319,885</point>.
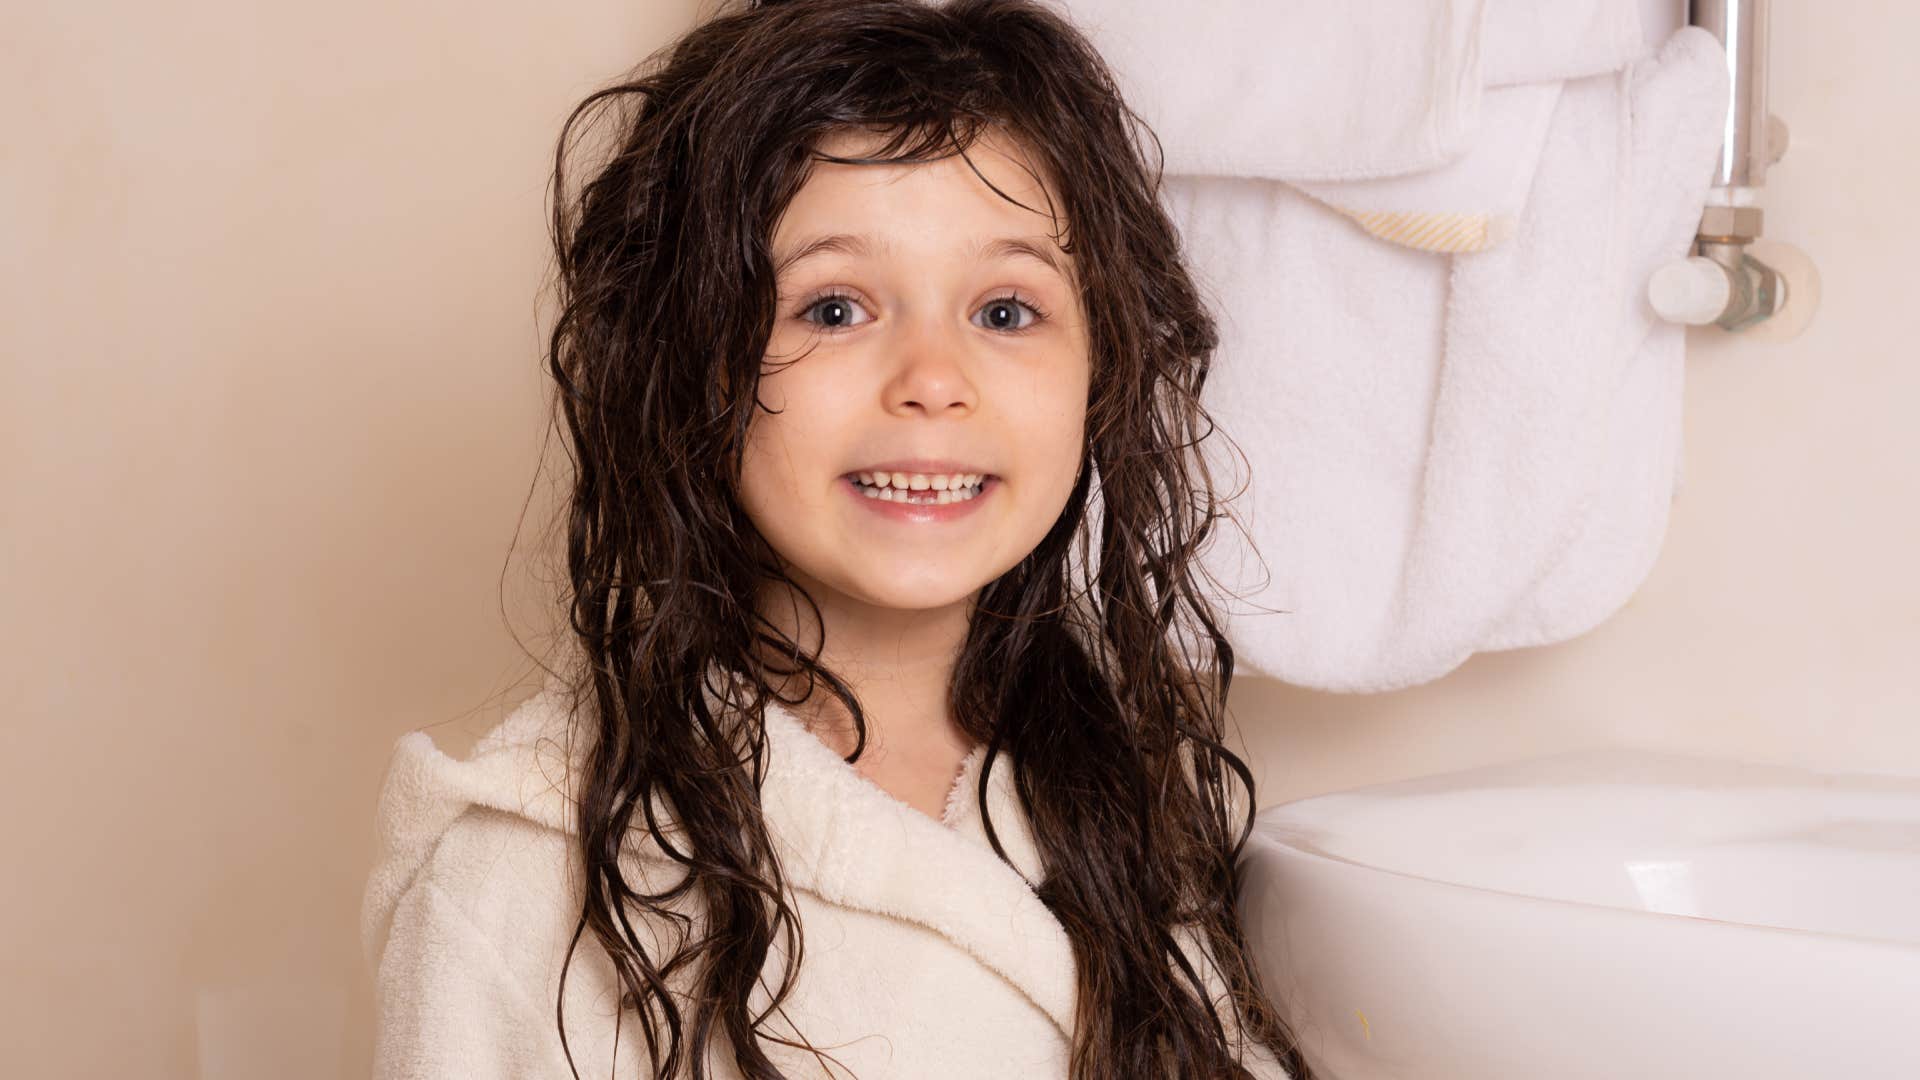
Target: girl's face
<point>926,349</point>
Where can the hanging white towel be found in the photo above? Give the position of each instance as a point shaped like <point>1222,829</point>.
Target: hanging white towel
<point>1457,452</point>
<point>1248,87</point>
<point>1533,41</point>
<point>1470,204</point>
<point>1292,90</point>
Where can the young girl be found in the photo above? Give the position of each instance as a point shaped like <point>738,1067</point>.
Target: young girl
<point>889,738</point>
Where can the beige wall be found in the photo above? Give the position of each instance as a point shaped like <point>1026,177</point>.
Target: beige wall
<point>269,411</point>
<point>269,407</point>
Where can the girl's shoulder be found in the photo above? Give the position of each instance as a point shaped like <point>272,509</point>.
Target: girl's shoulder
<point>491,835</point>
<point>437,813</point>
<point>469,915</point>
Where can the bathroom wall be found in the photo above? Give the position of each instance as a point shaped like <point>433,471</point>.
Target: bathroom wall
<point>270,399</point>
<point>270,408</point>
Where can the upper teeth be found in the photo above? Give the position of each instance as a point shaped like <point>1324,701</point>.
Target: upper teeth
<point>921,481</point>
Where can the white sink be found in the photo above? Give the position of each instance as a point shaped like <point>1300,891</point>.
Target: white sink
<point>1596,915</point>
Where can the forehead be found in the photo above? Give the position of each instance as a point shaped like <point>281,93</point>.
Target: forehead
<point>933,203</point>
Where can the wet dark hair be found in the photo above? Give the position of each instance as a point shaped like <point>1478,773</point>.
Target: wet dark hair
<point>1095,662</point>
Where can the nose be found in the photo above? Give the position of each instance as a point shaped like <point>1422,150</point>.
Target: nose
<point>931,374</point>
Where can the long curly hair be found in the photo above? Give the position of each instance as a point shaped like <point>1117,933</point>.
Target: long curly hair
<point>1095,662</point>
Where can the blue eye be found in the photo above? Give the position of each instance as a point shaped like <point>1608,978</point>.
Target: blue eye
<point>1012,300</point>
<point>842,303</point>
<point>831,300</point>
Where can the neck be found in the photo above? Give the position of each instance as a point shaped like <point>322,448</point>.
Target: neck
<point>898,663</point>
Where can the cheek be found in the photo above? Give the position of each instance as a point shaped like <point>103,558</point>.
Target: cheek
<point>768,479</point>
<point>791,436</point>
<point>764,459</point>
<point>1056,412</point>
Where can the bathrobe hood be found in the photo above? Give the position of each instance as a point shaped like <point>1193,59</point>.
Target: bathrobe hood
<point>475,873</point>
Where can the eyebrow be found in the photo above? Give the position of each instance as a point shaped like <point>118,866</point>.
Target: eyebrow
<point>1002,248</point>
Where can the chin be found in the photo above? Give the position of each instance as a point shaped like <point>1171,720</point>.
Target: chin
<point>908,600</point>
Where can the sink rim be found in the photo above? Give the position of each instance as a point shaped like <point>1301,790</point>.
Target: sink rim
<point>1266,832</point>
<point>1595,764</point>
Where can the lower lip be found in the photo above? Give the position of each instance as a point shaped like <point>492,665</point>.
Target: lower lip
<point>921,512</point>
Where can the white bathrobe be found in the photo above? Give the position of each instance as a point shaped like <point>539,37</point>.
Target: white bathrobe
<point>925,955</point>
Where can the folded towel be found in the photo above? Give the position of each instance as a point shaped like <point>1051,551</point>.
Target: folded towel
<point>1435,439</point>
<point>1291,90</point>
<point>1533,41</point>
<point>1244,87</point>
<point>1470,204</point>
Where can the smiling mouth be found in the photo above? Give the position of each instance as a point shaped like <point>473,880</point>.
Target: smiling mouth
<point>927,496</point>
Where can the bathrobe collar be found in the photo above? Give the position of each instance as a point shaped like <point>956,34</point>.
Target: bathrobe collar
<point>844,838</point>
